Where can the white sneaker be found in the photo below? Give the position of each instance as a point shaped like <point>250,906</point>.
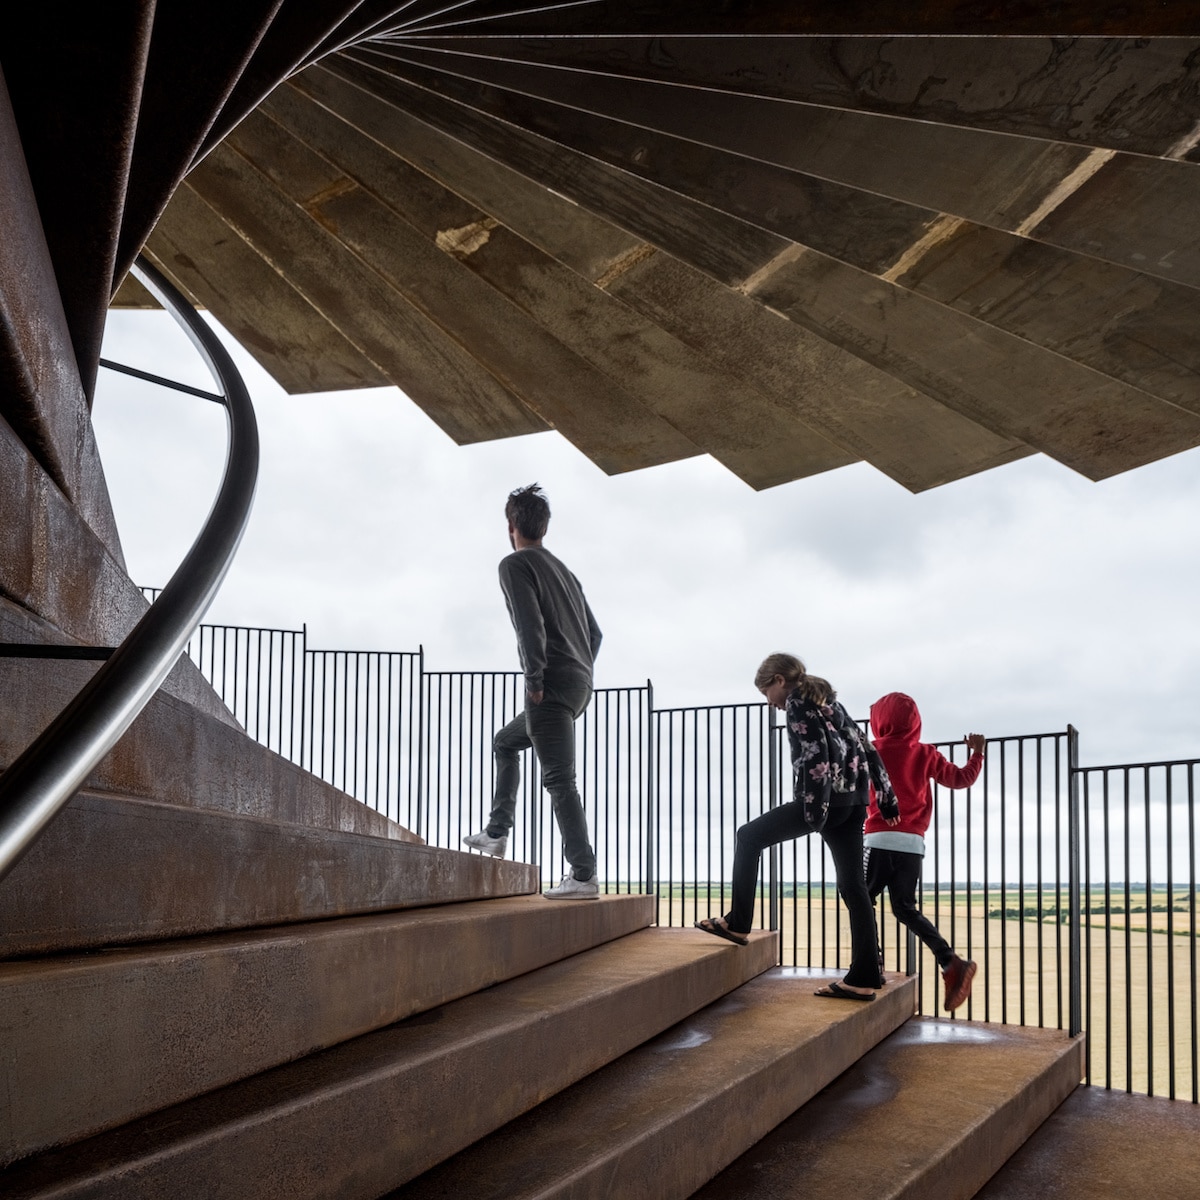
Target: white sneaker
<point>574,889</point>
<point>495,846</point>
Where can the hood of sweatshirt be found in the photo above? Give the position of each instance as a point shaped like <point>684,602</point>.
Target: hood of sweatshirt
<point>896,716</point>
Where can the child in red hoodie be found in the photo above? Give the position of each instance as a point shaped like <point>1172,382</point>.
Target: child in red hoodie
<point>894,848</point>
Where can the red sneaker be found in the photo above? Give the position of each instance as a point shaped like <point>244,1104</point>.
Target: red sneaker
<point>957,978</point>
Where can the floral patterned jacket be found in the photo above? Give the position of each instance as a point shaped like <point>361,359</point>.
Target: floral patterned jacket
<point>832,761</point>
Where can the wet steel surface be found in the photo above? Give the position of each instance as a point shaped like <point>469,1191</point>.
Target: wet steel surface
<point>1106,1145</point>
<point>931,1111</point>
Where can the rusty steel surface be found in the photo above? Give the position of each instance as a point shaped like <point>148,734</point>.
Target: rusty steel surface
<point>1106,1143</point>
<point>222,1014</point>
<point>373,1112</point>
<point>663,1120</point>
<point>591,218</point>
<point>491,205</point>
<point>933,1110</point>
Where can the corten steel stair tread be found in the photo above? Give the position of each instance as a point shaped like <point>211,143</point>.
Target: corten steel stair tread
<point>368,1115</point>
<point>176,755</point>
<point>229,1006</point>
<point>1110,1145</point>
<point>665,1118</point>
<point>110,870</point>
<point>934,1110</point>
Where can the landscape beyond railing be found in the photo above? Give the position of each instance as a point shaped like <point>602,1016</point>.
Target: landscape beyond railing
<point>665,790</point>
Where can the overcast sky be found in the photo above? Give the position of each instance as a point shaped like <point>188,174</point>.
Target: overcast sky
<point>1011,602</point>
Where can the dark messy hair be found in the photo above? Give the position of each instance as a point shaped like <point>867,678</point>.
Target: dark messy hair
<point>529,511</point>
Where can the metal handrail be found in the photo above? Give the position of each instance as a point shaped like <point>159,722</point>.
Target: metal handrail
<point>54,767</point>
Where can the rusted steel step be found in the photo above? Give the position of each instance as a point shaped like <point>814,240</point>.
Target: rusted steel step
<point>159,1024</point>
<point>1107,1143</point>
<point>363,1117</point>
<point>664,1119</point>
<point>176,755</point>
<point>111,871</point>
<point>934,1110</point>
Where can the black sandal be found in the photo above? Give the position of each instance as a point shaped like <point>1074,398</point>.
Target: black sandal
<point>835,991</point>
<point>710,925</point>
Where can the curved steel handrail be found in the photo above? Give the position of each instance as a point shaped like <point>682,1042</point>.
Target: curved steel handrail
<point>55,766</point>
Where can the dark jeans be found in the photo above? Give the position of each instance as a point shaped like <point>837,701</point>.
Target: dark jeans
<point>549,728</point>
<point>843,834</point>
<point>900,872</point>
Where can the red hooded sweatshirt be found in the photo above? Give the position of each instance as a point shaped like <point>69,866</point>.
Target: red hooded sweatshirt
<point>896,728</point>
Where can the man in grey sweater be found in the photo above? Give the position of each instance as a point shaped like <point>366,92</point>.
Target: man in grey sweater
<point>557,639</point>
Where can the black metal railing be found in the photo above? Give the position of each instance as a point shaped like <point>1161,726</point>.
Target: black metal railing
<point>1139,926</point>
<point>1039,871</point>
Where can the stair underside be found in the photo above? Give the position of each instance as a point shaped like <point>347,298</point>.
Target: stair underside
<point>659,1122</point>
<point>933,1111</point>
<point>161,1023</point>
<point>362,1117</point>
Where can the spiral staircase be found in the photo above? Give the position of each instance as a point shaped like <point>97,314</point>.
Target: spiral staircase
<point>933,237</point>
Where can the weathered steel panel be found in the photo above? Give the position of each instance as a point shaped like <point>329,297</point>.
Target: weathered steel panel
<point>1139,95</point>
<point>1091,423</point>
<point>659,18</point>
<point>77,106</point>
<point>1141,330</point>
<point>441,376</point>
<point>995,179</point>
<point>933,443</point>
<point>715,410</point>
<point>290,338</point>
<point>910,437</point>
<point>197,54</point>
<point>42,399</point>
<point>1141,212</point>
<point>726,248</point>
<point>415,242</point>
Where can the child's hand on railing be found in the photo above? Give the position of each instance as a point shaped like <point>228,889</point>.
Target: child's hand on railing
<point>975,742</point>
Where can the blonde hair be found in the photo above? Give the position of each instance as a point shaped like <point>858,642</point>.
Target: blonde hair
<point>794,672</point>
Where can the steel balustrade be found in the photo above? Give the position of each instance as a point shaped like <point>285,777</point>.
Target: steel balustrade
<point>1010,870</point>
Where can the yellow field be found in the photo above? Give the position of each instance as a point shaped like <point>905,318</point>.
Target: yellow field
<point>1137,982</point>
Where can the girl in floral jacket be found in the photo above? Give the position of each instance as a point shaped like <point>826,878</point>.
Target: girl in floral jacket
<point>834,768</point>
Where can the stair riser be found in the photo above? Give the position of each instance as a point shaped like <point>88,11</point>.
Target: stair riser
<point>159,1026</point>
<point>676,1159</point>
<point>965,1168</point>
<point>934,1110</point>
<point>658,1123</point>
<point>388,1106</point>
<point>111,871</point>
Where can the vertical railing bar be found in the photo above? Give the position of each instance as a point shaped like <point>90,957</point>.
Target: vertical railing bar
<point>1106,797</point>
<point>1073,841</point>
<point>1168,800</point>
<point>1085,927</point>
<point>1191,793</point>
<point>1041,914</point>
<point>1149,937</point>
<point>1128,942</point>
<point>987,885</point>
<point>1058,874</point>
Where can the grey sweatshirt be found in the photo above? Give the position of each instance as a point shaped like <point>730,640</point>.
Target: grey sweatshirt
<point>556,632</point>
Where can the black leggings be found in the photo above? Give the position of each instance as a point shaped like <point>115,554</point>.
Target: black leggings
<point>843,834</point>
<point>900,872</point>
